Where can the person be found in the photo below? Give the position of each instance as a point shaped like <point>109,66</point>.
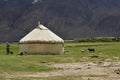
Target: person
<point>7,47</point>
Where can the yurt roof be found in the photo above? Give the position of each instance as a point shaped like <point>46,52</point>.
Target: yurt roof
<point>41,34</point>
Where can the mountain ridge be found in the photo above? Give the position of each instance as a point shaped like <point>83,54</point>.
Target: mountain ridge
<point>67,18</point>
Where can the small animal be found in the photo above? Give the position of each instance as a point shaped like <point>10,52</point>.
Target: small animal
<point>11,52</point>
<point>91,50</point>
<point>21,54</point>
<point>66,52</point>
<point>83,50</point>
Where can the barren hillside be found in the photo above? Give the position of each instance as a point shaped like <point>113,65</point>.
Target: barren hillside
<point>67,18</point>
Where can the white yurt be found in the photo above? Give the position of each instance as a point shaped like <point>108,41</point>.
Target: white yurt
<point>41,41</point>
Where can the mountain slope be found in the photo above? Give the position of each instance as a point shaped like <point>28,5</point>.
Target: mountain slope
<point>67,18</point>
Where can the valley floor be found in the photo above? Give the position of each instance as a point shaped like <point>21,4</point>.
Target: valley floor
<point>82,71</point>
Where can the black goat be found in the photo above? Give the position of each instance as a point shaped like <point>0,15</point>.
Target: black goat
<point>91,50</point>
<point>11,52</point>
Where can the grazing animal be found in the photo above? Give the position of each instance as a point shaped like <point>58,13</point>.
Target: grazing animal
<point>91,50</point>
<point>83,50</point>
<point>11,52</point>
<point>21,54</point>
<point>66,52</point>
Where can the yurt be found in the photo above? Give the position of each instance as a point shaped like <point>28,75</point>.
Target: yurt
<point>41,41</point>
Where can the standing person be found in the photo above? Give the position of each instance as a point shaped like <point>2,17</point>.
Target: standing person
<point>7,47</point>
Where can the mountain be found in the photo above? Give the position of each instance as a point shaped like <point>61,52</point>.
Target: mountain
<point>67,18</point>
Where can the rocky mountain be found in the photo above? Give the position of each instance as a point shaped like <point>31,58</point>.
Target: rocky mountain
<point>67,18</point>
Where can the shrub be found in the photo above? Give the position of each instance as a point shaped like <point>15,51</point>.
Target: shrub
<point>104,39</point>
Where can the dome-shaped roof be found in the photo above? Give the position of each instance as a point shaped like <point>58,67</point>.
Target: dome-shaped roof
<point>41,34</point>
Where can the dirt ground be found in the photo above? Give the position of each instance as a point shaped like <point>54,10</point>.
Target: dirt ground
<point>87,70</point>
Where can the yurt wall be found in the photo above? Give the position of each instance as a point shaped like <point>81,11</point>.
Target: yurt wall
<point>42,48</point>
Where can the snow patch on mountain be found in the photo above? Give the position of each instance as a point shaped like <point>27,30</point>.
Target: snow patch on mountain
<point>36,1</point>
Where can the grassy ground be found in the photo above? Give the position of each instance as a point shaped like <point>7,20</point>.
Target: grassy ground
<point>14,63</point>
<point>103,51</point>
